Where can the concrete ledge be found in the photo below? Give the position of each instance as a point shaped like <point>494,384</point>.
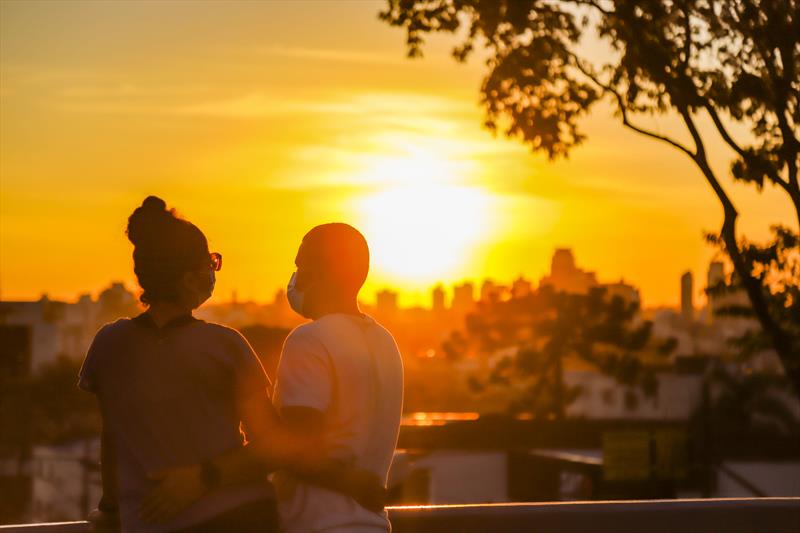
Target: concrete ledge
<point>735,515</point>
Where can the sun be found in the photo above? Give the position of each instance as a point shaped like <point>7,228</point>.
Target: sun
<point>423,233</point>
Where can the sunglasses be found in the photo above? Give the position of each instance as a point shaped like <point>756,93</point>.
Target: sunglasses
<point>216,261</point>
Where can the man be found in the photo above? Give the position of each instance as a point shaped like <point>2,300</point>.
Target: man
<point>340,378</point>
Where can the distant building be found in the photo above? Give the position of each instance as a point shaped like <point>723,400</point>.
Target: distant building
<point>386,303</point>
<point>490,291</point>
<point>687,294</point>
<point>728,298</point>
<point>603,398</point>
<point>487,290</point>
<point>565,276</point>
<point>627,292</point>
<point>438,296</point>
<point>463,297</point>
<point>521,288</point>
<point>716,275</point>
<point>15,352</point>
<point>39,320</point>
<point>57,328</point>
<point>65,481</point>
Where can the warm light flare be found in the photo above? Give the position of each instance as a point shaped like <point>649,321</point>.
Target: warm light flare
<point>424,232</point>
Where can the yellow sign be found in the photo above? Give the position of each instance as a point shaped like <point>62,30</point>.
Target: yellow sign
<point>637,455</point>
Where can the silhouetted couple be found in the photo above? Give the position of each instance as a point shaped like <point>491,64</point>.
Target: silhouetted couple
<point>178,395</point>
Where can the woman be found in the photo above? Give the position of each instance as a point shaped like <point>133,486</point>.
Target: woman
<point>173,391</point>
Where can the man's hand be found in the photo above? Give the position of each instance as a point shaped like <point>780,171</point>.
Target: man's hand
<point>177,489</point>
<point>365,488</point>
<point>362,485</point>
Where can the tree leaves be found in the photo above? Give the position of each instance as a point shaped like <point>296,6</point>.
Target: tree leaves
<point>544,330</point>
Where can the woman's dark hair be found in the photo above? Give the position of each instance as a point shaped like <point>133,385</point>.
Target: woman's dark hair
<point>165,247</point>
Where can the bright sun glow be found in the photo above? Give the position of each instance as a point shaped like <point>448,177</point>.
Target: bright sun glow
<point>422,226</point>
<point>423,233</point>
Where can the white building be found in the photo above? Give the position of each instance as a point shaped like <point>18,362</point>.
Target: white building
<point>66,481</point>
<point>58,328</point>
<point>603,398</point>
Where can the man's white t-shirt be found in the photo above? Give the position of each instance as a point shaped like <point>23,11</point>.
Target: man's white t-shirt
<point>349,368</point>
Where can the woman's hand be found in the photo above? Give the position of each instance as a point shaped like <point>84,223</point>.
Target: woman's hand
<point>177,489</point>
<point>103,522</point>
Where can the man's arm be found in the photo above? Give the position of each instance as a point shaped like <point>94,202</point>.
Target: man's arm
<point>294,444</point>
<point>303,420</point>
<point>363,486</point>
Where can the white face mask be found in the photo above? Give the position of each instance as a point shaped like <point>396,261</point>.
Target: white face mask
<point>295,296</point>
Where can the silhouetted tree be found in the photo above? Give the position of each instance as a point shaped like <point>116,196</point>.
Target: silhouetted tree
<point>747,396</point>
<point>546,328</point>
<point>734,62</point>
<point>59,411</point>
<point>116,302</point>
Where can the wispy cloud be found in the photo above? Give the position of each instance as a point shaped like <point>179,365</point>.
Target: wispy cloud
<point>258,105</point>
<point>325,54</point>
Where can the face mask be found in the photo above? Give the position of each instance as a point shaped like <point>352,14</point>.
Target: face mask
<point>295,296</point>
<point>212,284</point>
<point>205,293</point>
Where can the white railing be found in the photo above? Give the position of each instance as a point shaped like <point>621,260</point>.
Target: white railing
<point>735,515</point>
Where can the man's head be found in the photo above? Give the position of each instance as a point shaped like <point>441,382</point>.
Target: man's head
<point>332,265</point>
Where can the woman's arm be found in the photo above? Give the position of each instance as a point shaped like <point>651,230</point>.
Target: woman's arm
<point>109,502</point>
<point>106,516</point>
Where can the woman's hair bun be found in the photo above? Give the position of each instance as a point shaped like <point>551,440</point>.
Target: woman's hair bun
<point>165,246</point>
<point>148,221</point>
<point>154,203</point>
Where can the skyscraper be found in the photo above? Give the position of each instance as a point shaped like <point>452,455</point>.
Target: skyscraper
<point>489,291</point>
<point>463,297</point>
<point>716,275</point>
<point>566,276</point>
<point>687,293</point>
<point>521,288</point>
<point>438,299</point>
<point>386,303</point>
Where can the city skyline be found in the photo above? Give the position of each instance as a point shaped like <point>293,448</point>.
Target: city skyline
<point>564,275</point>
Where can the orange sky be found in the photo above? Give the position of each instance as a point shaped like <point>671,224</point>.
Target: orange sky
<point>260,120</point>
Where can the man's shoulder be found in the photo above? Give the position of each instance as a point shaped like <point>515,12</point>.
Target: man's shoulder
<point>381,328</point>
<point>304,336</point>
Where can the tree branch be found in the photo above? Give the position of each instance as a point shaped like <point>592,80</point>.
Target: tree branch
<point>723,131</point>
<point>700,149</point>
<point>789,187</point>
<point>591,3</point>
<point>624,113</point>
